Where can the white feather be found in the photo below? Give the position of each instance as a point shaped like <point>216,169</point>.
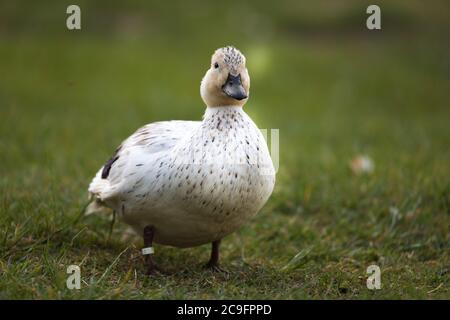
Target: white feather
<point>195,182</point>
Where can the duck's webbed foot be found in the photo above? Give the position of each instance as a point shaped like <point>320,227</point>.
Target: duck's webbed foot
<point>148,251</point>
<point>213,263</point>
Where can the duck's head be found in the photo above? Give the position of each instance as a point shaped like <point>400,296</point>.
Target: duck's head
<point>226,83</point>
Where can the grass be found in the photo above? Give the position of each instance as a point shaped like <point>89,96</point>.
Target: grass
<point>68,99</point>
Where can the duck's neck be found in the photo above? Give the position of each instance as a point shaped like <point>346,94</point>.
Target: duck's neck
<point>223,117</point>
<point>222,110</point>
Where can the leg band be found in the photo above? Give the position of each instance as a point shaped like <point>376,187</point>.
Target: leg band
<point>148,250</point>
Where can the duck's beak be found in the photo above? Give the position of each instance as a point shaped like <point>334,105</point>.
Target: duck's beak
<point>233,87</point>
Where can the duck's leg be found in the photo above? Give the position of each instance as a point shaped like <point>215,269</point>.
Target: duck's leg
<point>147,251</point>
<point>213,262</point>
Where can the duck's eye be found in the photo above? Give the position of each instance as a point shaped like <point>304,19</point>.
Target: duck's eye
<point>216,65</point>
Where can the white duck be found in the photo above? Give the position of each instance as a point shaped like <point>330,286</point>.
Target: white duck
<point>187,183</point>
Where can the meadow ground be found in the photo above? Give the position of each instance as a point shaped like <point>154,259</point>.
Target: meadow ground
<point>68,99</point>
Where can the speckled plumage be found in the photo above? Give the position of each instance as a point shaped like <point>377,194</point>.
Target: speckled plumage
<point>233,58</point>
<point>194,181</point>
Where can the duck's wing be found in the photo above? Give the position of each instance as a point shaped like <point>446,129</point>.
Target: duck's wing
<point>159,136</point>
<point>146,142</point>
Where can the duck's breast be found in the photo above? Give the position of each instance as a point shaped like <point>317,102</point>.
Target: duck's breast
<point>209,185</point>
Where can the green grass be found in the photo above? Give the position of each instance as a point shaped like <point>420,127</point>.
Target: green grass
<point>334,91</point>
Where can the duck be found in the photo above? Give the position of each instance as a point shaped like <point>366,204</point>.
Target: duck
<point>190,183</point>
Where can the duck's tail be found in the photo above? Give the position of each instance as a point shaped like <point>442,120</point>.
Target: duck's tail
<point>98,191</point>
<point>96,206</point>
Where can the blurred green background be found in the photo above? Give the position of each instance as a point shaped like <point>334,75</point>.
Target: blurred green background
<point>334,90</point>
